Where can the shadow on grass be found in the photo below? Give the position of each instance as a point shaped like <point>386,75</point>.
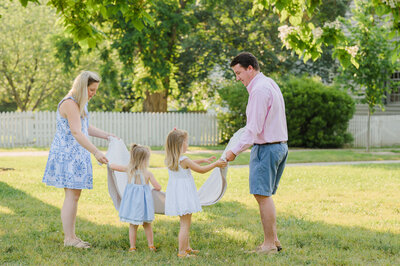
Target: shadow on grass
<point>31,233</point>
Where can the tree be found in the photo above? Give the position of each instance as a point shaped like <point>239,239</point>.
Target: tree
<point>306,40</point>
<point>83,19</point>
<point>28,71</point>
<point>372,51</point>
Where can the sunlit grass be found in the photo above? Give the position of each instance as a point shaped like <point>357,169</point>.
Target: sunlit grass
<point>326,215</point>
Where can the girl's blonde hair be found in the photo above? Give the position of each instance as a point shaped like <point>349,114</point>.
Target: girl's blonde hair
<point>140,156</point>
<point>173,148</point>
<point>80,88</point>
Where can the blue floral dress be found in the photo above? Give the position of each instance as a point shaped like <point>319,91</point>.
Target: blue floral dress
<point>69,164</point>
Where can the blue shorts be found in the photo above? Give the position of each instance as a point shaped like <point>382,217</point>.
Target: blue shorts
<point>266,167</point>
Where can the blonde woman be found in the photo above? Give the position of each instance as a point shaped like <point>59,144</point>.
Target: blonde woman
<point>69,164</point>
<point>181,197</point>
<point>137,207</point>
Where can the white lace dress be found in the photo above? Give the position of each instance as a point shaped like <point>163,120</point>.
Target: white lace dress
<point>181,195</point>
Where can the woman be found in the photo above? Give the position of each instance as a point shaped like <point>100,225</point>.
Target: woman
<point>69,164</point>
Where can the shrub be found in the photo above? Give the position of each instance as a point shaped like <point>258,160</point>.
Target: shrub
<point>234,98</point>
<point>317,115</point>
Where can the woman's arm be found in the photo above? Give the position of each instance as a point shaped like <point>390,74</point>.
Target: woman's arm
<point>117,167</point>
<point>206,160</point>
<point>153,181</point>
<point>71,111</point>
<point>98,133</point>
<point>187,163</point>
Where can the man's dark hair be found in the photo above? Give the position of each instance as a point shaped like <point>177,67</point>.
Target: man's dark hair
<point>245,59</point>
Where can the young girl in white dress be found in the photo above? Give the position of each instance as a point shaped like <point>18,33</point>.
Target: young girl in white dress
<point>181,197</point>
<point>137,207</point>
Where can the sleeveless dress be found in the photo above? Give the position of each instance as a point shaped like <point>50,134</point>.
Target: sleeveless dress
<point>181,195</point>
<point>69,164</point>
<point>137,203</point>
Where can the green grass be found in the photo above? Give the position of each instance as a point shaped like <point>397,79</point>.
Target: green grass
<point>331,215</point>
<point>295,156</point>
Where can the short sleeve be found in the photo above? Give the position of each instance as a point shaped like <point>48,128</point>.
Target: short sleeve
<point>182,158</point>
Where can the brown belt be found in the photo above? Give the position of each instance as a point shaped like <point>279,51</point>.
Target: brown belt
<point>270,143</point>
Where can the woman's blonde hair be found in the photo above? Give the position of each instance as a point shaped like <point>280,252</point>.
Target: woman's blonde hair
<point>80,88</point>
<point>173,148</point>
<point>140,156</point>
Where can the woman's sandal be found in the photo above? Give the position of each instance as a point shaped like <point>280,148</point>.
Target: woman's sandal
<point>153,248</point>
<point>132,249</point>
<point>192,251</point>
<point>84,242</point>
<point>77,243</point>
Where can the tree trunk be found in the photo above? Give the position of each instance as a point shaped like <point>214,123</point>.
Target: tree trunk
<point>155,102</point>
<point>369,129</point>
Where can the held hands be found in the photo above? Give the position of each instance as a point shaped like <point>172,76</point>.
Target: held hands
<point>221,163</point>
<point>100,157</point>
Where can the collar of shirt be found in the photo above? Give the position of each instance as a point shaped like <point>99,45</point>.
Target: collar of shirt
<point>251,84</point>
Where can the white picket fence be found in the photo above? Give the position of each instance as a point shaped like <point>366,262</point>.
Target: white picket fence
<point>38,128</point>
<point>385,130</point>
<point>19,129</point>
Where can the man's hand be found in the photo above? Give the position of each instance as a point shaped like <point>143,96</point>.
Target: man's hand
<point>230,156</point>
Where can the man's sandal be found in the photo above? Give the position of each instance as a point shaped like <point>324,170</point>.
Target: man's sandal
<point>132,249</point>
<point>278,245</point>
<point>152,248</point>
<point>192,251</point>
<point>76,243</point>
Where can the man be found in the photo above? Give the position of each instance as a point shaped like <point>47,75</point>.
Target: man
<point>266,130</point>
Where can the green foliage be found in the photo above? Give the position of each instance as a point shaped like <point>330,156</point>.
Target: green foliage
<point>307,45</point>
<point>29,74</point>
<point>233,115</point>
<point>317,115</point>
<point>83,19</point>
<point>374,57</point>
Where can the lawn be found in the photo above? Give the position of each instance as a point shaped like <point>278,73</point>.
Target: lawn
<point>330,215</point>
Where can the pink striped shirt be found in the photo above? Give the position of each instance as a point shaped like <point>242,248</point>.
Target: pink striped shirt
<point>265,112</point>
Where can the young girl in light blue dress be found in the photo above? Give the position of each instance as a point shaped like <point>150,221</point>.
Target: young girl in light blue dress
<point>181,197</point>
<point>137,207</point>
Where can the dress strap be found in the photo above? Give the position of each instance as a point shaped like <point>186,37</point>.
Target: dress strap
<point>141,177</point>
<point>66,98</point>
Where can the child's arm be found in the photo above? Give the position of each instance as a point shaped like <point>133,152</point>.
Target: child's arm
<point>153,181</point>
<point>187,163</point>
<point>206,160</point>
<point>117,167</point>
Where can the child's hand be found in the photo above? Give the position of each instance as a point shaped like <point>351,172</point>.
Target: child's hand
<point>157,188</point>
<point>221,163</point>
<point>209,160</point>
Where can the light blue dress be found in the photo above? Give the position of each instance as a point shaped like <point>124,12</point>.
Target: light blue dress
<point>137,204</point>
<point>69,164</point>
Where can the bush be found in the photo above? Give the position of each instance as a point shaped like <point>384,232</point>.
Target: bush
<point>234,98</point>
<point>317,115</point>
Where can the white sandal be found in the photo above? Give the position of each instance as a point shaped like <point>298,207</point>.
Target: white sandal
<point>77,243</point>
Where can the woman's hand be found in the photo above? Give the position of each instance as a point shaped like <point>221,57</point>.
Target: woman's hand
<point>221,163</point>
<point>100,157</point>
<point>111,135</point>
